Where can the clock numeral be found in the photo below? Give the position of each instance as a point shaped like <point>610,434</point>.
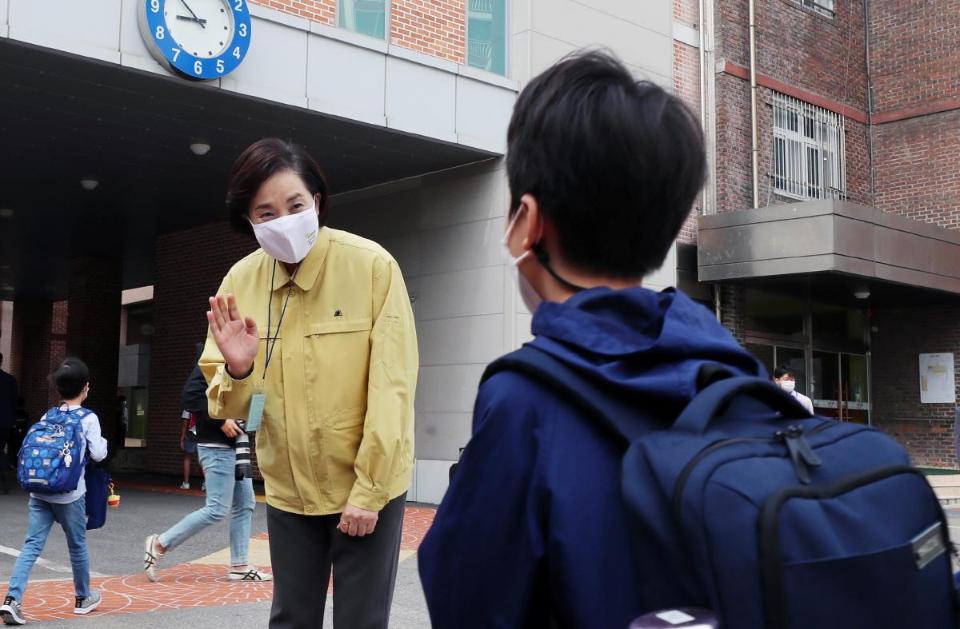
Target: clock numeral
<point>161,33</point>
<point>236,52</point>
<point>238,5</point>
<point>176,53</point>
<point>155,6</point>
<point>198,67</point>
<point>220,66</point>
<point>243,30</point>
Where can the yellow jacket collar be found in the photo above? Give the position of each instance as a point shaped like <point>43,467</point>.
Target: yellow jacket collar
<point>310,268</point>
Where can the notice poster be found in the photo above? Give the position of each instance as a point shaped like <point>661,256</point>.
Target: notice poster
<point>937,385</point>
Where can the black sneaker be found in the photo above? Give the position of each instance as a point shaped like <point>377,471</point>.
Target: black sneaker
<point>86,605</point>
<point>12,612</point>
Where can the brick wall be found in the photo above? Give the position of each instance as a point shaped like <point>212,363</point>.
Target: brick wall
<point>916,168</point>
<point>914,55</point>
<point>903,334</point>
<point>183,282</point>
<point>323,11</point>
<point>433,27</point>
<point>686,85</point>
<point>686,11</point>
<point>31,354</point>
<point>93,332</point>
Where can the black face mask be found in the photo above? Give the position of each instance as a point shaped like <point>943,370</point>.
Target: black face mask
<point>544,259</point>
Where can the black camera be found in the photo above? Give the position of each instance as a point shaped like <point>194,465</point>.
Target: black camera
<point>244,445</point>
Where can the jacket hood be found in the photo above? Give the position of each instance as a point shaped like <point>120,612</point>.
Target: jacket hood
<point>639,344</point>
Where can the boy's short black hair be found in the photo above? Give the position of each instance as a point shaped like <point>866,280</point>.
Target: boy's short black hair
<point>70,377</point>
<point>613,162</point>
<point>782,371</point>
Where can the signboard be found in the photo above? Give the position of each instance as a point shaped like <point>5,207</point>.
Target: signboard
<point>937,382</point>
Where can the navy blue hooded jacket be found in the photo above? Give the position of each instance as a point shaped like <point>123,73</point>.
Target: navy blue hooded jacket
<point>533,529</point>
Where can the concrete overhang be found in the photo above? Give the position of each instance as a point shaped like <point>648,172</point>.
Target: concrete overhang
<point>828,237</point>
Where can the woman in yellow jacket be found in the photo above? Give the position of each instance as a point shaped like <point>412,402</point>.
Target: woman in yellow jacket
<point>312,337</point>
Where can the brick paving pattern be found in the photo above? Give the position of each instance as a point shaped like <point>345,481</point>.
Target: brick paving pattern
<point>181,586</point>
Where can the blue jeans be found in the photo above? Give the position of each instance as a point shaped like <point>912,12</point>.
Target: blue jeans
<point>223,490</point>
<point>73,518</point>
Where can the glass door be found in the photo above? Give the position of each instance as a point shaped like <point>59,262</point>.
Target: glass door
<point>840,385</point>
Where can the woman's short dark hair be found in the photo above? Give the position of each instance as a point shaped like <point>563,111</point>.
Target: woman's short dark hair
<point>70,377</point>
<point>613,162</point>
<point>260,161</point>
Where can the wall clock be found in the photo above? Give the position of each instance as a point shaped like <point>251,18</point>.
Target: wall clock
<point>196,39</point>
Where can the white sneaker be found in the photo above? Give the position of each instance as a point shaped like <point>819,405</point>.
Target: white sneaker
<point>11,612</point>
<point>248,574</point>
<point>86,605</point>
<point>151,557</point>
<point>184,485</point>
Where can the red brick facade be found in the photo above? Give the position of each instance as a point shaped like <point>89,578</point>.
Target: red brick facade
<point>433,27</point>
<point>686,85</point>
<point>904,162</point>
<point>323,11</point>
<point>183,282</point>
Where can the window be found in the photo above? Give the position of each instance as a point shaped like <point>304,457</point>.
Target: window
<point>487,35</point>
<point>367,17</point>
<point>823,7</point>
<point>807,151</point>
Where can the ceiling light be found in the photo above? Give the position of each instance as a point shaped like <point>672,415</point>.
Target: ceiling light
<point>89,184</point>
<point>6,213</point>
<point>862,292</point>
<point>200,148</point>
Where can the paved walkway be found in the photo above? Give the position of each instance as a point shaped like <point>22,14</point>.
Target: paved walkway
<point>201,583</point>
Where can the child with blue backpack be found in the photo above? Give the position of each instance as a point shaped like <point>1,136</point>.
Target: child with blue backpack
<point>54,477</point>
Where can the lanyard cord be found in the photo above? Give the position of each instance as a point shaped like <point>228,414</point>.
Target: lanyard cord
<point>272,341</point>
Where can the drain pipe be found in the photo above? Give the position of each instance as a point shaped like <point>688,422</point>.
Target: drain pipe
<point>866,47</point>
<point>755,141</point>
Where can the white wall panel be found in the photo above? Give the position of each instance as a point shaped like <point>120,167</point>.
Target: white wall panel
<point>483,114</point>
<point>90,28</point>
<point>275,67</point>
<point>346,80</point>
<point>421,99</point>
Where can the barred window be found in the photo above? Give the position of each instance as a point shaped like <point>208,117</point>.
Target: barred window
<point>823,7</point>
<point>808,151</point>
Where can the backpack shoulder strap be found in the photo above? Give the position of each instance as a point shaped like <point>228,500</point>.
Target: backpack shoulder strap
<point>614,415</point>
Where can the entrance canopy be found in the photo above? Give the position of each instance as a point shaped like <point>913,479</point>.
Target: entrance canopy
<point>832,247</point>
<point>64,119</point>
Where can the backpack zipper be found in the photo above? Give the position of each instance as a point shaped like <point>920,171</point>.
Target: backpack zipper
<point>779,436</point>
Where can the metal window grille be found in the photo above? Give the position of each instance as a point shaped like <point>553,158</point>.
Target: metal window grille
<point>808,151</point>
<point>823,7</point>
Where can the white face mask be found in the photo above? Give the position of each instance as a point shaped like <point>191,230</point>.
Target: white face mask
<point>530,297</point>
<point>289,238</point>
<point>788,385</point>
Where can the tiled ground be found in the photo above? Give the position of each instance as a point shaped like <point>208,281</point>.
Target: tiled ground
<point>196,584</point>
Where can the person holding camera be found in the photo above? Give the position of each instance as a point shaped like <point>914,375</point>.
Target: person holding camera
<point>224,451</point>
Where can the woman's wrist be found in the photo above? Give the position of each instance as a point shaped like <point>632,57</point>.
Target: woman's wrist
<point>234,370</point>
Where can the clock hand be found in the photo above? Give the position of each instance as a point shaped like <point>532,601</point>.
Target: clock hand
<point>202,23</point>
<point>187,18</point>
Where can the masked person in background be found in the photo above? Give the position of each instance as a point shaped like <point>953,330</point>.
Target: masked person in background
<point>786,378</point>
<point>312,337</point>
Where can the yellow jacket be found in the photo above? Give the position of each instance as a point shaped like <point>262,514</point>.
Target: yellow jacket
<point>338,421</point>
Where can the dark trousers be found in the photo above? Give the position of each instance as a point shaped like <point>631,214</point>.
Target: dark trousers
<point>302,551</point>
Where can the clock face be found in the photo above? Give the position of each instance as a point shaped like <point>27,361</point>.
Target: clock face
<point>198,39</point>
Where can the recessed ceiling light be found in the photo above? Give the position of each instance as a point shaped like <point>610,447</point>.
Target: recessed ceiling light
<point>6,212</point>
<point>200,148</point>
<point>89,184</point>
<point>863,292</point>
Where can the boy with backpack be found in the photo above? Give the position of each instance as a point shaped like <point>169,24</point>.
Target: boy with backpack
<point>633,457</point>
<point>51,467</point>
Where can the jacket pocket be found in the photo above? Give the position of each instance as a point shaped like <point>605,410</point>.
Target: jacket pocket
<point>337,369</point>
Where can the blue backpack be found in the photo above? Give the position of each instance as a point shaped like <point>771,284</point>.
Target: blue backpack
<point>748,506</point>
<point>51,460</point>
